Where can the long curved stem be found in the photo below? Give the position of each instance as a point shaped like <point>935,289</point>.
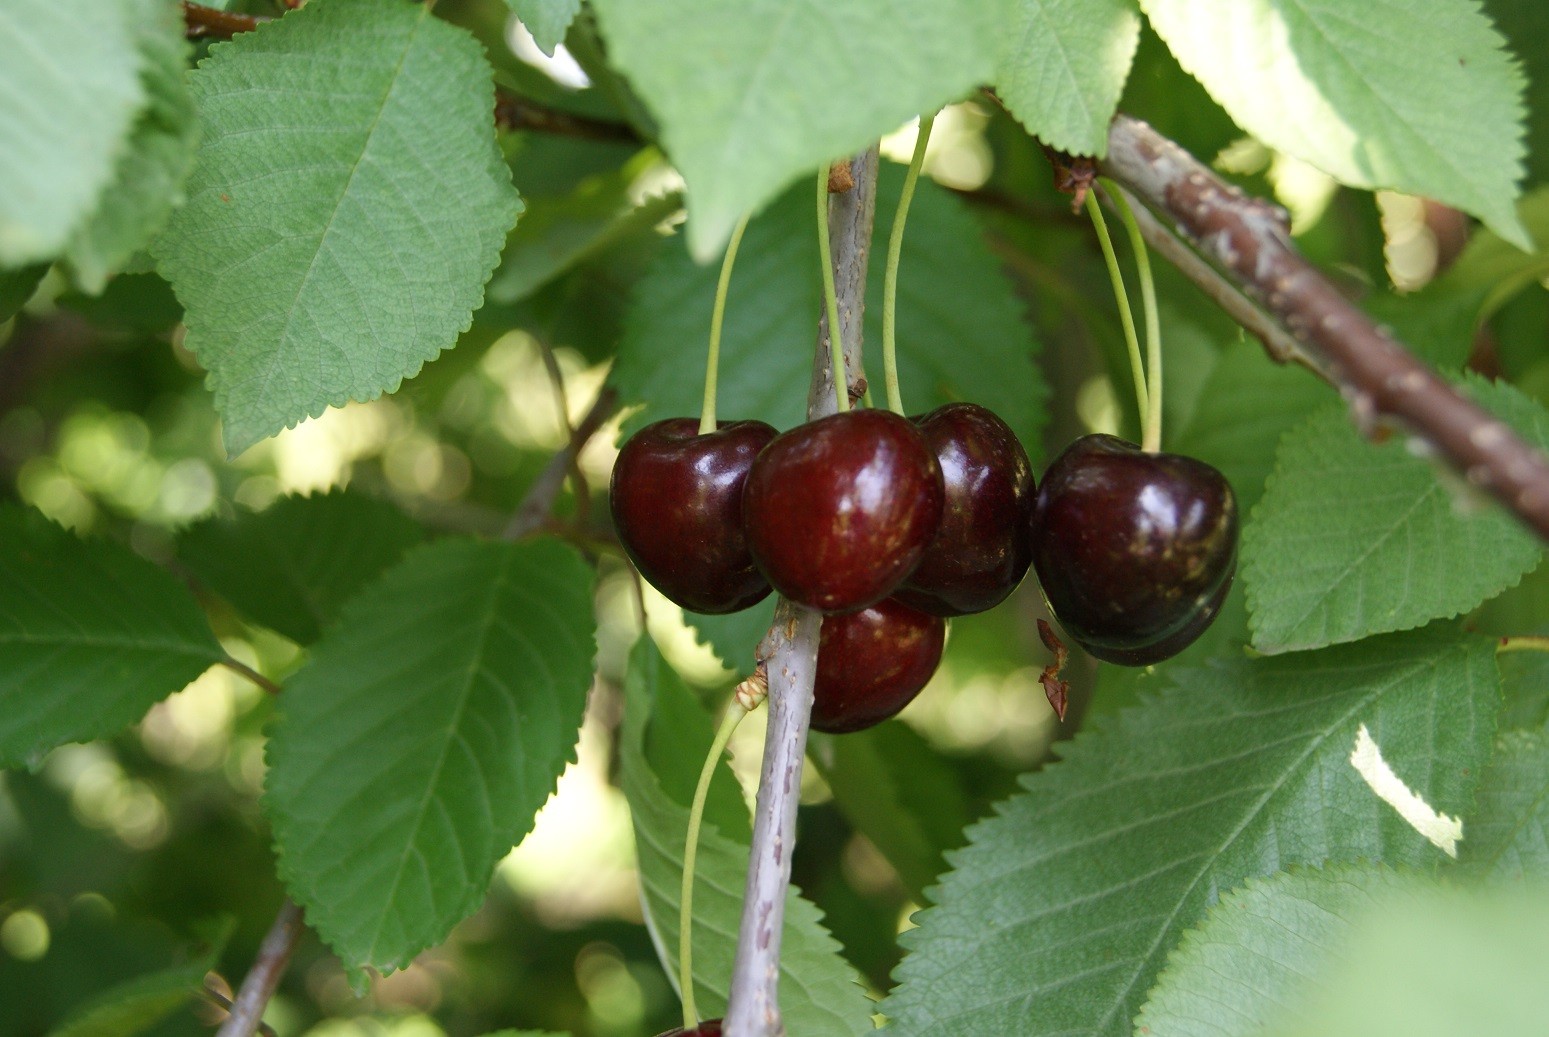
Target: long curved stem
<point>734,714</point>
<point>895,246</point>
<point>1523,643</point>
<point>831,299</point>
<point>1151,440</point>
<point>717,318</point>
<point>1126,316</point>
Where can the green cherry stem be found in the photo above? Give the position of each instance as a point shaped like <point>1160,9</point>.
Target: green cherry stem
<point>717,317</point>
<point>1126,317</point>
<point>831,299</point>
<point>1522,643</point>
<point>895,247</point>
<point>749,696</point>
<point>1151,440</point>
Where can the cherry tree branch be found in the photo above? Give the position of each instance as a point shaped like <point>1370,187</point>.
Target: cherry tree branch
<point>533,512</point>
<point>1248,240</point>
<point>212,23</point>
<point>247,1008</point>
<point>789,652</point>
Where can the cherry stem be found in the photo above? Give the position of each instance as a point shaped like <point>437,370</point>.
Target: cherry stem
<point>895,247</point>
<point>831,300</point>
<point>741,705</point>
<point>1523,644</point>
<point>1151,440</point>
<point>239,667</point>
<point>1126,317</point>
<point>717,317</point>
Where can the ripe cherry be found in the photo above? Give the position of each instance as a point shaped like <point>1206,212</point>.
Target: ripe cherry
<point>981,552</point>
<point>872,663</point>
<point>839,510</point>
<point>708,1028</point>
<point>1135,551</point>
<point>677,505</point>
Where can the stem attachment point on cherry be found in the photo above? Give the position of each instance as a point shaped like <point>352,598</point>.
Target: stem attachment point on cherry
<point>717,318</point>
<point>895,246</point>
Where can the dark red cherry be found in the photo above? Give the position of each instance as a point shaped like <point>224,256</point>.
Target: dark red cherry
<point>872,663</point>
<point>981,552</point>
<point>1135,551</point>
<point>677,506</point>
<point>708,1028</point>
<point>839,510</point>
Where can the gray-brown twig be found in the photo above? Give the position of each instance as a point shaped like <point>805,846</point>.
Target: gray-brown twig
<point>533,511</point>
<point>789,651</point>
<point>1247,239</point>
<point>247,1008</point>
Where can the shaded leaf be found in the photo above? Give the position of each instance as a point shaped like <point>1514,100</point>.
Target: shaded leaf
<point>1061,909</point>
<point>67,101</point>
<point>135,1006</point>
<point>1409,545</point>
<point>347,207</point>
<point>17,286</point>
<point>1414,95</point>
<point>415,748</point>
<point>820,994</point>
<point>1507,836</point>
<point>292,566</point>
<point>745,93</point>
<point>91,636</point>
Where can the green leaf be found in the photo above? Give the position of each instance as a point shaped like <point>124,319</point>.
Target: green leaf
<point>1064,66</point>
<point>1435,964</point>
<point>899,792</point>
<point>135,1006</point>
<point>148,179</point>
<point>1414,95</point>
<point>1525,24</point>
<point>1062,907</point>
<point>734,636</point>
<point>429,727</point>
<point>292,566</point>
<point>91,636</point>
<point>1254,952</point>
<point>820,994</point>
<point>347,207</point>
<point>1409,544</point>
<point>753,95</point>
<point>1525,687</point>
<point>17,286</point>
<point>69,92</point>
<point>1508,834</point>
<point>1247,404</point>
<point>960,328</point>
<point>547,20</point>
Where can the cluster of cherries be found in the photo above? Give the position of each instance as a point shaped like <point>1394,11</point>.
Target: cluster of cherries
<point>892,525</point>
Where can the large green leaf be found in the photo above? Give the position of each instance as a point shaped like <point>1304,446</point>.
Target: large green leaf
<point>416,747</point>
<point>134,1006</point>
<point>1352,539</point>
<point>69,92</point>
<point>1255,950</point>
<point>734,636</point>
<point>292,566</point>
<point>1508,835</point>
<point>1064,66</point>
<point>347,207</point>
<point>820,995</point>
<point>754,94</point>
<point>148,179</point>
<point>1415,95</point>
<point>1438,963</point>
<point>91,636</point>
<point>960,328</point>
<point>1061,909</point>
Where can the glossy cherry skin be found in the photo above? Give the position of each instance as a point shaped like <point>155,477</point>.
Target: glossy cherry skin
<point>1135,551</point>
<point>708,1028</point>
<point>838,511</point>
<point>981,552</point>
<point>872,663</point>
<point>677,506</point>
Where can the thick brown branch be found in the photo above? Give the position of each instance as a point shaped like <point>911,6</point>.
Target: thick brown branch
<point>247,1008</point>
<point>789,652</point>
<point>533,511</point>
<point>1248,240</point>
<point>211,23</point>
